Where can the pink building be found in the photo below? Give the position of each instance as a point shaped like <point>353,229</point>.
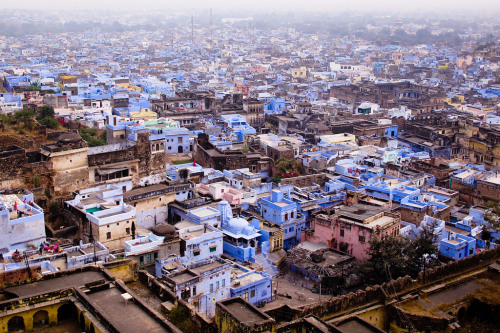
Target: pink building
<point>350,228</point>
<point>219,191</point>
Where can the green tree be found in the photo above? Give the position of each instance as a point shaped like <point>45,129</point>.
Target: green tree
<point>91,135</point>
<point>26,117</point>
<point>387,259</point>
<point>286,165</point>
<point>46,111</point>
<point>422,250</point>
<point>396,256</point>
<point>492,219</point>
<point>49,122</point>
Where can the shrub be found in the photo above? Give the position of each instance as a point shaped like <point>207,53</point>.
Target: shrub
<point>49,122</point>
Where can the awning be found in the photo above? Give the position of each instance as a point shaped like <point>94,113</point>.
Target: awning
<point>108,171</point>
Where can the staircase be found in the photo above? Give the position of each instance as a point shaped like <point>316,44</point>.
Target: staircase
<point>266,265</point>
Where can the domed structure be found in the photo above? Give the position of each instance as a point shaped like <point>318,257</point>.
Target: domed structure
<point>237,224</point>
<point>164,229</point>
<point>249,230</point>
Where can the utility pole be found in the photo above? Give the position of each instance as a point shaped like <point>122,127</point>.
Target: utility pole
<point>320,279</point>
<point>211,28</point>
<point>192,30</point>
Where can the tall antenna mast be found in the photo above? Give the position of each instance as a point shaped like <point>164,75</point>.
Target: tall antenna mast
<point>192,30</point>
<point>211,28</point>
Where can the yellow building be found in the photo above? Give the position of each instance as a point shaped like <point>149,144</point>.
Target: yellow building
<point>300,72</point>
<point>338,138</point>
<point>235,315</point>
<point>143,114</point>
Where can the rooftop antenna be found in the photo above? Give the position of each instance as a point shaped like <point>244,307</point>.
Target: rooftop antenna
<point>192,30</point>
<point>211,28</point>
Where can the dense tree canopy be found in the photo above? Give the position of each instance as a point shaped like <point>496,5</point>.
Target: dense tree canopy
<point>395,256</point>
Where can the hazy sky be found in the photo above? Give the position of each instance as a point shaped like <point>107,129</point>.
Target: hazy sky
<point>261,5</point>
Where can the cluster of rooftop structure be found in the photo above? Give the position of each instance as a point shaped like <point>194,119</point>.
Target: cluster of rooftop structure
<point>236,164</point>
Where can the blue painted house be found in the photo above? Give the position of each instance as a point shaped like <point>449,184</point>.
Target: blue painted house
<point>283,211</point>
<point>456,245</point>
<point>253,286</point>
<point>240,237</point>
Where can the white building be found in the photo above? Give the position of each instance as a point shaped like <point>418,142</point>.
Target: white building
<point>202,284</point>
<point>402,111</point>
<point>201,242</point>
<point>22,222</point>
<point>102,212</point>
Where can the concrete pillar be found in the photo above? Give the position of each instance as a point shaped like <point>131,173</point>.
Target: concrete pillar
<point>28,321</point>
<point>53,316</point>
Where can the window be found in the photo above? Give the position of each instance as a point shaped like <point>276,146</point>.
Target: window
<point>245,296</point>
<point>194,290</point>
<point>213,248</point>
<point>179,140</point>
<point>108,235</point>
<point>148,257</point>
<point>127,231</point>
<point>361,239</point>
<point>252,293</point>
<point>223,283</point>
<point>291,215</point>
<point>211,287</point>
<point>155,255</point>
<point>341,232</point>
<point>217,285</point>
<point>291,229</point>
<point>141,260</point>
<point>196,252</point>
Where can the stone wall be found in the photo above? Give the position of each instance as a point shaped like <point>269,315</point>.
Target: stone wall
<point>379,293</point>
<point>303,181</point>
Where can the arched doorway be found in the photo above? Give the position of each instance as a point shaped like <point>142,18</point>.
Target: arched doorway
<point>461,314</point>
<point>180,150</point>
<point>92,329</point>
<point>15,324</point>
<point>40,319</point>
<point>66,312</point>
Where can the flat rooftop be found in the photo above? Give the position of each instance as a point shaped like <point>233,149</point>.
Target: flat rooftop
<point>356,326</point>
<point>359,212</point>
<point>124,316</point>
<point>203,212</point>
<point>181,278</point>
<point>243,312</point>
<point>247,279</point>
<point>63,282</point>
<point>493,179</point>
<point>144,190</point>
<point>205,268</point>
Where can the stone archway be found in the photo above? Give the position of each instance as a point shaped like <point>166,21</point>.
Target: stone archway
<point>15,324</point>
<point>66,312</point>
<point>40,319</point>
<point>461,314</point>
